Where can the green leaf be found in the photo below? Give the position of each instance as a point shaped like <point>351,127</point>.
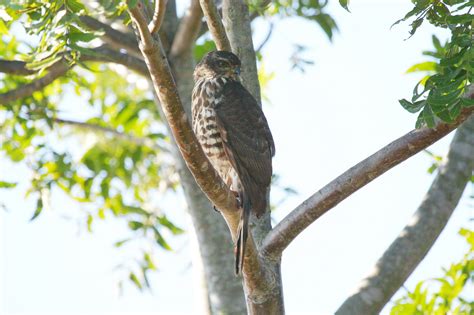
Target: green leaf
<point>344,4</point>
<point>81,37</point>
<point>412,107</point>
<point>90,219</point>
<point>423,66</point>
<point>3,28</point>
<point>44,63</point>
<point>428,117</point>
<point>160,240</point>
<point>415,25</point>
<point>170,226</point>
<point>7,184</point>
<point>149,260</point>
<point>120,243</point>
<point>39,208</point>
<point>460,19</point>
<point>75,6</point>
<point>135,225</point>
<point>135,280</point>
<point>467,102</point>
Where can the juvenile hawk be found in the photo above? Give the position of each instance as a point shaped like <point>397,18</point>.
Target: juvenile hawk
<point>234,135</point>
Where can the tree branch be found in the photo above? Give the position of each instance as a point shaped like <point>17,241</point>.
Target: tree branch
<point>141,141</point>
<point>235,14</point>
<point>414,242</point>
<point>60,68</point>
<point>158,16</point>
<point>57,70</point>
<point>215,25</point>
<point>352,180</point>
<point>188,30</point>
<point>14,67</point>
<point>115,38</point>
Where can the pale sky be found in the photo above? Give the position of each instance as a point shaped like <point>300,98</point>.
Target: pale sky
<point>342,109</point>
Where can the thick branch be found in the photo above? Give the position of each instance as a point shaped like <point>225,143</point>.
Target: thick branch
<point>14,67</point>
<point>60,68</point>
<point>188,30</point>
<point>115,38</point>
<point>158,16</point>
<point>214,24</point>
<point>414,242</point>
<point>352,180</point>
<point>57,70</point>
<point>102,53</point>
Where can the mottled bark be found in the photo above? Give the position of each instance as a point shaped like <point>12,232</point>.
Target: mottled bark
<point>416,239</point>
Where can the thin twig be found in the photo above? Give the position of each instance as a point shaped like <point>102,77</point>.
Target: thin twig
<point>352,180</point>
<point>214,23</point>
<point>266,39</point>
<point>158,16</point>
<point>188,30</point>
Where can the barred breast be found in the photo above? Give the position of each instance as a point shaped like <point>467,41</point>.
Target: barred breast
<point>206,94</point>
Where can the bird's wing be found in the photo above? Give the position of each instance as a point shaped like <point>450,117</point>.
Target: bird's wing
<point>247,139</point>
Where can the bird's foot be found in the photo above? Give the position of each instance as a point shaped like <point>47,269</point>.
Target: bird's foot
<point>215,209</point>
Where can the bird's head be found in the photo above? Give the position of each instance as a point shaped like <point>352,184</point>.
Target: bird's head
<point>216,64</point>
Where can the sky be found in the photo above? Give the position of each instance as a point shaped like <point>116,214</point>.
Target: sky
<point>342,109</point>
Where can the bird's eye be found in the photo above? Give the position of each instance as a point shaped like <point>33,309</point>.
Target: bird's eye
<point>221,63</point>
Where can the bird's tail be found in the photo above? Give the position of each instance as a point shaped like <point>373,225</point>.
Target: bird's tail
<point>242,233</point>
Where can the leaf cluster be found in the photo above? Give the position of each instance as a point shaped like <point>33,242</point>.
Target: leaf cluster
<point>443,94</point>
<point>445,295</point>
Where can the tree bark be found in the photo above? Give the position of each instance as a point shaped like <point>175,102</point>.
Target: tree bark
<point>414,242</point>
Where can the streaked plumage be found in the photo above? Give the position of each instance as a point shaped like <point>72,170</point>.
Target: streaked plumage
<point>234,134</point>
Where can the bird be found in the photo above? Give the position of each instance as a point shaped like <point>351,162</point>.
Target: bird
<point>234,134</point>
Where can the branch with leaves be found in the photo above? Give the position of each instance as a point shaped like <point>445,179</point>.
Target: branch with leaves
<point>60,68</point>
<point>352,180</point>
<point>419,235</point>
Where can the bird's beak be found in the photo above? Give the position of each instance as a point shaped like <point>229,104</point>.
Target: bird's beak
<point>237,71</point>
